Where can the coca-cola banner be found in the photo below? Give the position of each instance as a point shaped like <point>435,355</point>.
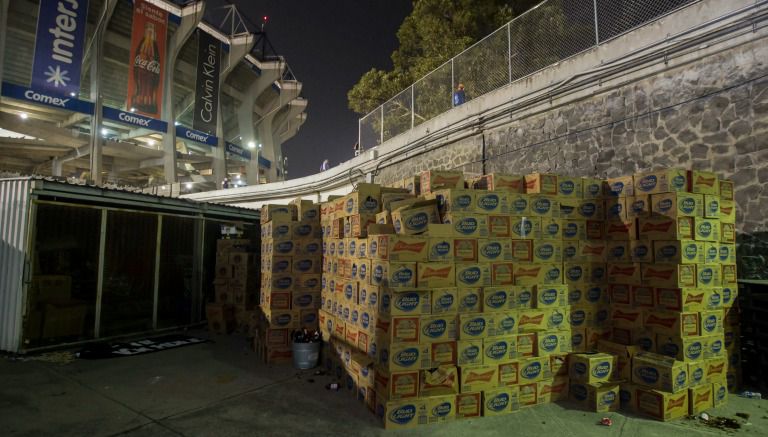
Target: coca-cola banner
<point>147,64</point>
<point>207,88</point>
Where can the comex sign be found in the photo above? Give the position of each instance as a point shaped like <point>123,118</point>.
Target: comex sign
<point>134,119</point>
<point>196,136</point>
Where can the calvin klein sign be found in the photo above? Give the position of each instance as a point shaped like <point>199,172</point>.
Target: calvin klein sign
<point>207,88</point>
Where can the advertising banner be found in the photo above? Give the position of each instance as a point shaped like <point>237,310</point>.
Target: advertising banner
<point>207,87</point>
<point>147,62</point>
<point>197,136</point>
<point>59,46</point>
<point>41,98</point>
<point>237,150</point>
<point>134,119</point>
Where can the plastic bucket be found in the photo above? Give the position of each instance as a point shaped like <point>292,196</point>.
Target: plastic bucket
<point>306,355</point>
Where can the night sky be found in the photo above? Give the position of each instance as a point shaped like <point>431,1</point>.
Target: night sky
<point>328,45</point>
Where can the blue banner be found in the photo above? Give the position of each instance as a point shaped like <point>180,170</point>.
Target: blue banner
<point>265,162</point>
<point>47,99</point>
<point>134,119</point>
<point>59,46</point>
<point>197,136</point>
<point>237,150</point>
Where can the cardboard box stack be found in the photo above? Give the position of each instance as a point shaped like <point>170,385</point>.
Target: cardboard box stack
<point>480,298</point>
<point>672,281</point>
<point>291,259</point>
<point>454,304</point>
<point>235,286</point>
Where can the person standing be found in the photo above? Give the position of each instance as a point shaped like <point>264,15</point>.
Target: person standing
<point>325,166</point>
<point>459,97</point>
<point>357,149</point>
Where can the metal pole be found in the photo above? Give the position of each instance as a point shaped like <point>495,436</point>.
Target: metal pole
<point>381,140</point>
<point>360,132</point>
<point>3,32</point>
<point>412,107</point>
<point>453,84</point>
<point>100,279</point>
<point>155,294</point>
<point>509,50</point>
<point>597,31</point>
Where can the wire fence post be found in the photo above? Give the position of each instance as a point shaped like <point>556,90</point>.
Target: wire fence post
<point>359,137</point>
<point>382,125</point>
<point>453,83</point>
<point>413,107</point>
<point>509,50</point>
<point>597,32</point>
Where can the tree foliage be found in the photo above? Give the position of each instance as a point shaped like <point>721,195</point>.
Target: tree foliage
<point>435,31</point>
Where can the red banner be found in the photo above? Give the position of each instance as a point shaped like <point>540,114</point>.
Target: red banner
<point>147,63</point>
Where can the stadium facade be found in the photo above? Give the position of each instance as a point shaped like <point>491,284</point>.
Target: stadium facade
<point>174,97</point>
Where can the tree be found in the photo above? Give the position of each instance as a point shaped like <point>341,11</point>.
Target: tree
<point>435,31</point>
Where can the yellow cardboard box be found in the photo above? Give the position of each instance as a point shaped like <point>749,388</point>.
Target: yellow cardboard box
<point>673,323</point>
<point>397,385</point>
<point>399,414</point>
<point>685,349</point>
<point>553,343</point>
<point>542,273</point>
<point>669,275</point>
<point>498,226</point>
<point>569,187</point>
<point>708,230</point>
<point>403,329</point>
<point>591,367</point>
<point>509,374</point>
<point>619,187</point>
<point>727,213</point>
<point>438,409</point>
<point>491,202</point>
<point>498,350</point>
<point>522,250</point>
<point>473,274</point>
<point>468,224</point>
<point>569,208</point>
<point>662,181</point>
<point>711,206</point>
<point>465,249</point>
<point>700,399</point>
<point>709,275</point>
<point>502,182</point>
<point>453,200</point>
<point>592,188</point>
<point>432,180</point>
<point>519,204</point>
<point>638,206</point>
<point>478,378</point>
<point>534,369</point>
<point>499,299</point>
<point>493,250</point>
<point>681,299</point>
<point>470,300</point>
<point>624,273</point>
<point>696,375</point>
<point>399,275</point>
<point>468,405</point>
<point>405,303</point>
<point>617,251</point>
<point>438,328</point>
<point>551,229</point>
<point>502,323</point>
<point>413,219</point>
<point>440,381</point>
<point>529,394</point>
<point>591,209</point>
<point>712,322</point>
<point>678,252</point>
<point>541,183</point>
<point>620,230</point>
<point>544,206</point>
<point>403,356</point>
<point>703,182</point>
<point>666,228</point>
<point>641,251</point>
<point>551,296</point>
<point>469,352</point>
<point>440,249</point>
<point>662,405</point>
<point>679,204</point>
<point>727,232</point>
<point>525,227</point>
<point>547,251</point>
<point>598,397</point>
<point>442,353</point>
<point>401,248</point>
<point>444,301</point>
<point>499,401</point>
<point>526,344</point>
<point>501,273</point>
<point>659,372</point>
<point>473,326</point>
<point>435,274</point>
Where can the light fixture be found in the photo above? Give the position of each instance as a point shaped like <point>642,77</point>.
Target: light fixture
<point>164,187</point>
<point>251,144</point>
<point>189,185</point>
<point>151,142</point>
<point>72,94</point>
<point>133,109</point>
<point>104,131</point>
<point>238,176</point>
<point>259,145</point>
<point>23,115</point>
<point>176,123</point>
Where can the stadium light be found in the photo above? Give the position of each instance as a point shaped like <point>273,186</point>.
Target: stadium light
<point>23,115</point>
<point>151,142</point>
<point>189,185</point>
<point>252,145</point>
<point>104,131</point>
<point>259,145</point>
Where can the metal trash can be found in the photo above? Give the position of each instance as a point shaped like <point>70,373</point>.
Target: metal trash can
<point>306,355</point>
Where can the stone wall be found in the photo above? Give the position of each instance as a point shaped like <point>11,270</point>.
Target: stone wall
<point>711,114</point>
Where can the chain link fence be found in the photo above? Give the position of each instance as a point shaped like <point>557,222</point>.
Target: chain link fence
<point>545,35</point>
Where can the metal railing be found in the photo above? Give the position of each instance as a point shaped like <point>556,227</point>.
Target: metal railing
<point>544,35</point>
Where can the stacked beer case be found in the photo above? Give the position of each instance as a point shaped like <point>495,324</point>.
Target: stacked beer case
<point>235,286</point>
<point>291,262</point>
<point>454,306</point>
<point>672,287</point>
